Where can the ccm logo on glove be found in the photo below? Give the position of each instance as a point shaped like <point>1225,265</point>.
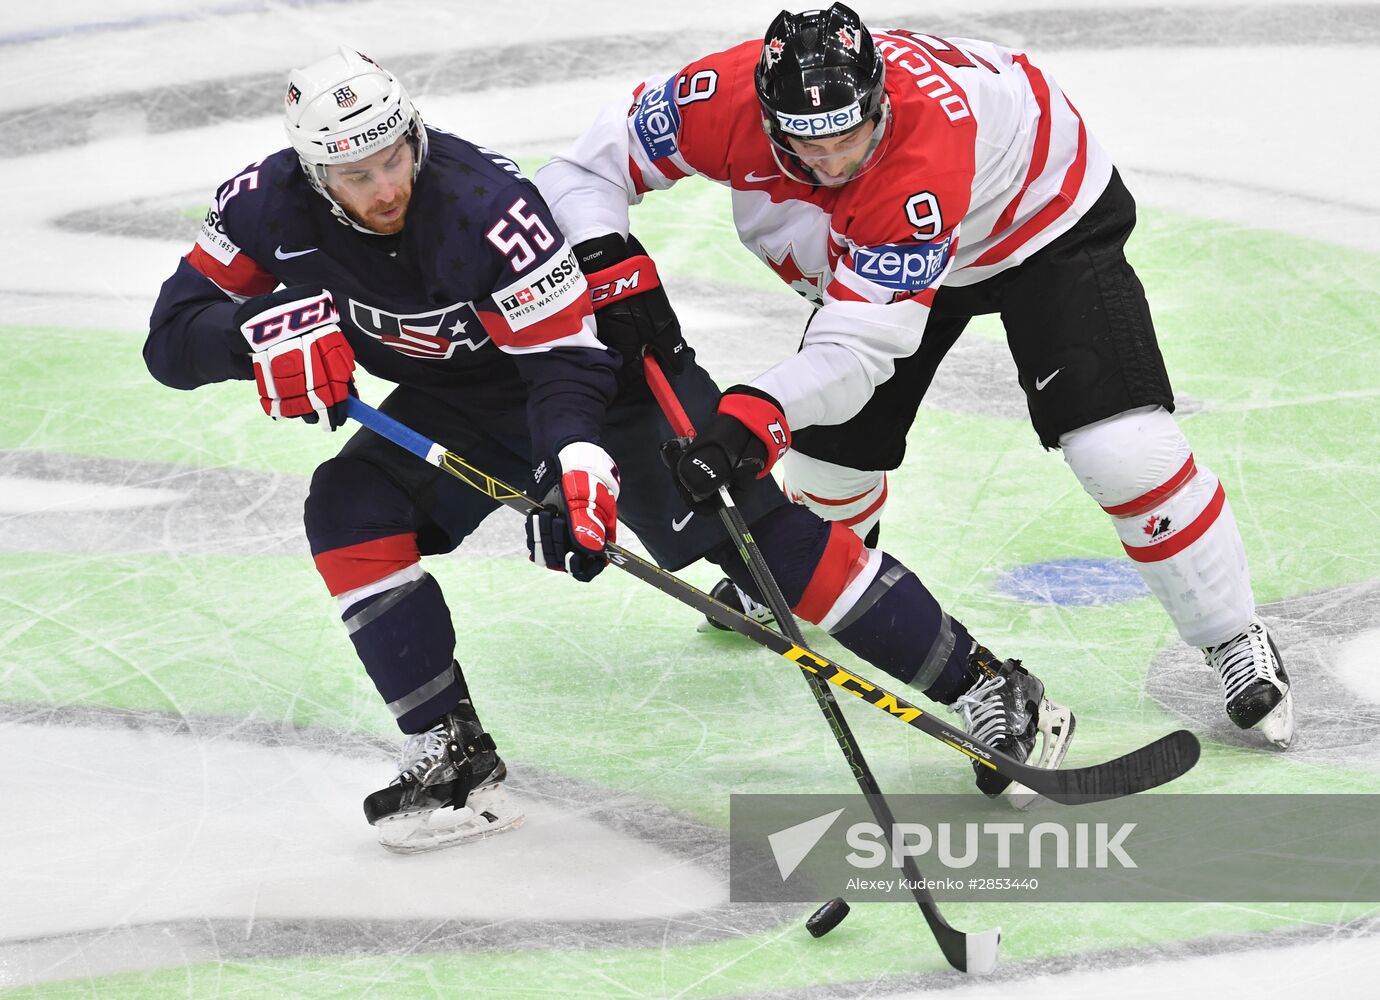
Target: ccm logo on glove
<point>303,365</point>
<point>623,280</point>
<point>283,320</point>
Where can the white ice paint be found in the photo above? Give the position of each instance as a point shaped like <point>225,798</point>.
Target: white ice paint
<point>114,827</point>
<point>22,495</point>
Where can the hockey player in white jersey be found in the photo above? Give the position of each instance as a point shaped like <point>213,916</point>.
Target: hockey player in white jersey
<point>905,183</point>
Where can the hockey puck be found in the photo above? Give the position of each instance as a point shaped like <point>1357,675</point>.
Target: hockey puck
<point>827,917</point>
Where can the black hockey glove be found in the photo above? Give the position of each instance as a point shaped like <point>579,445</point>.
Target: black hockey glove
<point>744,440</point>
<point>630,307</point>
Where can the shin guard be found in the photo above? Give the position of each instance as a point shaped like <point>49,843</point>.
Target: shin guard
<point>1172,517</point>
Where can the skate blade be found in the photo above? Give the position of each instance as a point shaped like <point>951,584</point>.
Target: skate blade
<point>1056,728</point>
<point>1278,725</point>
<point>487,812</point>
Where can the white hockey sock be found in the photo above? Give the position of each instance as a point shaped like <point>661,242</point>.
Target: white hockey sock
<point>1173,519</point>
<point>853,497</point>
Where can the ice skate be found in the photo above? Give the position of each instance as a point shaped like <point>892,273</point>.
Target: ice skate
<point>1007,709</point>
<point>726,592</point>
<point>449,789</point>
<point>1255,686</point>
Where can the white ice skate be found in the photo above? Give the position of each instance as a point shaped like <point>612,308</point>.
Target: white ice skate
<point>1255,686</point>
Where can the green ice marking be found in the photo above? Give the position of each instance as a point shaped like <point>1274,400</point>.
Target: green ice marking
<point>1279,350</point>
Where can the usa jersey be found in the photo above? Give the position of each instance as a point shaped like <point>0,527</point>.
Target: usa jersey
<point>478,301</point>
<point>983,163</point>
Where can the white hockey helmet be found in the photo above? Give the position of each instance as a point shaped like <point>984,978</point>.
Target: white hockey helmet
<point>343,108</point>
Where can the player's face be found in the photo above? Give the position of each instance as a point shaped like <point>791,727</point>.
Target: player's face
<point>836,159</point>
<point>375,191</point>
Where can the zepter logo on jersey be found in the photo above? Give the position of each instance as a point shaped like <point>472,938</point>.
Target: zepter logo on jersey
<point>656,121</point>
<point>903,267</point>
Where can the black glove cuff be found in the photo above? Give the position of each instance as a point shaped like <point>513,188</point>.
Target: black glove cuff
<point>601,252</point>
<point>752,390</point>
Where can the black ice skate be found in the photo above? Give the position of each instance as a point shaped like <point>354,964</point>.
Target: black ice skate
<point>1006,708</point>
<point>1255,686</point>
<point>726,592</point>
<point>449,789</point>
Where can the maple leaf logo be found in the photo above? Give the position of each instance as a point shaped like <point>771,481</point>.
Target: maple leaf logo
<point>1155,525</point>
<point>787,268</point>
<point>771,52</point>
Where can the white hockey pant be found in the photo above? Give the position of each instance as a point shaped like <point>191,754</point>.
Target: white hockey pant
<point>1172,517</point>
<point>852,497</point>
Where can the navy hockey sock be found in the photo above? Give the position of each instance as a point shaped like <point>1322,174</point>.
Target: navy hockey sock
<point>406,642</point>
<point>898,626</point>
<point>895,624</point>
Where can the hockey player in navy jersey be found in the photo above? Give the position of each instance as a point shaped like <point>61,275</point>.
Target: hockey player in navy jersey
<point>434,264</point>
<point>905,183</point>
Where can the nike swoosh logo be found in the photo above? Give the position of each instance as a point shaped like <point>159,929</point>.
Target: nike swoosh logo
<point>1040,383</point>
<point>281,254</point>
<point>752,177</point>
<point>677,525</point>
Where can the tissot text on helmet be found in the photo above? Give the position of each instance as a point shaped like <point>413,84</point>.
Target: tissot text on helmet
<point>368,135</point>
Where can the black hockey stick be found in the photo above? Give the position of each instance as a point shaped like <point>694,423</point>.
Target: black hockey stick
<point>1153,764</point>
<point>965,952</point>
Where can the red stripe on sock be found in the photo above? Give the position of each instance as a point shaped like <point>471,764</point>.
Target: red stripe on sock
<point>843,559</point>
<point>872,509</point>
<point>1175,544</point>
<point>353,566</point>
<point>1146,502</point>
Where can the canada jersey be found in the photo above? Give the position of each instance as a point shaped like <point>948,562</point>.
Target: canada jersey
<point>479,300</point>
<point>984,162</point>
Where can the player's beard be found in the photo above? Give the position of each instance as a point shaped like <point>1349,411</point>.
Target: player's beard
<point>378,220</point>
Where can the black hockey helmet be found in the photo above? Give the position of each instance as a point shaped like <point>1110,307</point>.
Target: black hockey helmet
<point>819,75</point>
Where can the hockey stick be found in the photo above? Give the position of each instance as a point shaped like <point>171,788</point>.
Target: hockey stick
<point>965,952</point>
<point>1153,764</point>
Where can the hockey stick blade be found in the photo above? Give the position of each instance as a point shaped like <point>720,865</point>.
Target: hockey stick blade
<point>1152,765</point>
<point>1148,767</point>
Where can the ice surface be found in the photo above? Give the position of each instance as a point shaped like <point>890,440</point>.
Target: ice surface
<point>185,737</point>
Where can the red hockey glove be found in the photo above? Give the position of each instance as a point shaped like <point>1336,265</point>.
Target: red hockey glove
<point>303,364</point>
<point>744,440</point>
<point>580,516</point>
